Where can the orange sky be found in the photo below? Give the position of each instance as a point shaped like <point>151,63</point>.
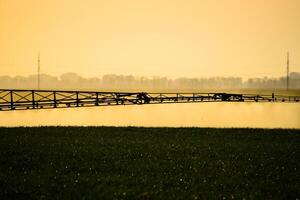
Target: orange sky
<point>175,38</point>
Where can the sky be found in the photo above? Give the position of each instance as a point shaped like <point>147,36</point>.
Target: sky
<point>175,38</point>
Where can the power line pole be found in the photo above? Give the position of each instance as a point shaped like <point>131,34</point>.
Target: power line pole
<point>39,71</point>
<point>287,70</point>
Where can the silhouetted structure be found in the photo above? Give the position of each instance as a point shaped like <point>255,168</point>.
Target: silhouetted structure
<point>38,99</point>
<point>39,72</point>
<point>287,70</point>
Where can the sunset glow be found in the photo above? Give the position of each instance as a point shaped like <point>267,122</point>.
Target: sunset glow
<point>246,38</point>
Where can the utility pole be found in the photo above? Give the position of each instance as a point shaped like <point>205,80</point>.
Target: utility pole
<point>39,71</point>
<point>287,70</point>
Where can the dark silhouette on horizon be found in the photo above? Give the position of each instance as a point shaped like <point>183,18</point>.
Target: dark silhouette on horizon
<point>129,82</point>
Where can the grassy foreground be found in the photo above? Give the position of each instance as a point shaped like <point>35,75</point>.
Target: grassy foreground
<point>149,163</point>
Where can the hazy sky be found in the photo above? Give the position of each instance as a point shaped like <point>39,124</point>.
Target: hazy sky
<point>193,38</point>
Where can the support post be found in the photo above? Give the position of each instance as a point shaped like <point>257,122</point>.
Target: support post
<point>33,100</point>
<point>11,100</point>
<point>97,99</point>
<point>287,70</point>
<point>54,99</point>
<point>77,99</point>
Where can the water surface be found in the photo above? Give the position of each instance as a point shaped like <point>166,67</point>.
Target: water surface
<point>217,114</point>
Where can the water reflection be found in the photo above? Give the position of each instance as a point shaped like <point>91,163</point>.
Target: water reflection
<point>263,115</point>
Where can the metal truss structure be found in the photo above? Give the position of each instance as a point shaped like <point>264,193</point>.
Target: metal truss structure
<point>43,99</point>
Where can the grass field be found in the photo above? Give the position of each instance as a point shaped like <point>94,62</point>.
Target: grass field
<point>149,163</point>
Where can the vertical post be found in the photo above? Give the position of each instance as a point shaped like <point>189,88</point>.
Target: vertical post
<point>117,98</point>
<point>54,99</point>
<point>39,71</point>
<point>33,100</point>
<point>11,100</point>
<point>287,70</point>
<point>97,99</point>
<point>77,99</point>
<point>273,97</point>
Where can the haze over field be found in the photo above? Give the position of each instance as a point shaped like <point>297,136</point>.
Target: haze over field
<point>157,99</point>
<point>128,82</point>
<point>207,38</point>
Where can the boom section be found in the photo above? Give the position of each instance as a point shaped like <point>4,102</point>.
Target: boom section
<point>43,99</point>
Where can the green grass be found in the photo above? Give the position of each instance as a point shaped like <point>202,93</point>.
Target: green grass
<point>149,163</point>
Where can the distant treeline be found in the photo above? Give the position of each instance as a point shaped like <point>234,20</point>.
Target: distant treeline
<point>123,82</point>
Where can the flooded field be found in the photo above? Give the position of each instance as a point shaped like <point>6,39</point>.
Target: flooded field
<point>218,114</point>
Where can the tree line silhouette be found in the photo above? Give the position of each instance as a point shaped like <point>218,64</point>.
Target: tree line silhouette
<point>129,82</point>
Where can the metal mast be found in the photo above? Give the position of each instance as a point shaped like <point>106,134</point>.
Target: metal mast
<point>39,71</point>
<point>287,70</point>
